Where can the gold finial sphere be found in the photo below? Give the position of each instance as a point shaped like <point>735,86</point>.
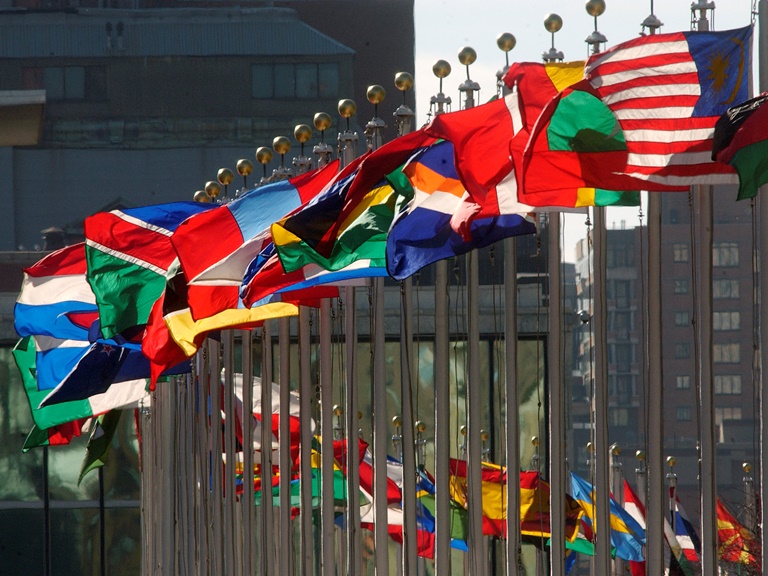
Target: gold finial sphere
<point>337,410</point>
<point>534,441</point>
<point>212,188</point>
<point>375,94</point>
<point>595,7</point>
<point>322,121</point>
<point>263,155</point>
<point>403,81</point>
<point>484,435</point>
<point>441,68</point>
<point>420,426</point>
<point>463,430</point>
<point>553,23</point>
<point>590,447</point>
<point>225,176</point>
<point>671,461</point>
<point>302,133</point>
<point>615,449</point>
<point>640,455</point>
<point>397,421</point>
<point>281,145</point>
<point>467,56</point>
<point>244,167</point>
<point>505,41</point>
<point>347,108</point>
<point>747,467</point>
<point>202,196</point>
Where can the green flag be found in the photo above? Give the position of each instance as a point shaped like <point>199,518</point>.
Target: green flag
<point>99,443</point>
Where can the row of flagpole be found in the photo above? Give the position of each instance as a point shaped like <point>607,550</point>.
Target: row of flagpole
<point>222,531</point>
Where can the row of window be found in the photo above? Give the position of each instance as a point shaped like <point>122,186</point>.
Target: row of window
<point>722,289</point>
<point>268,81</point>
<point>729,353</point>
<point>684,413</point>
<point>721,321</point>
<point>723,253</point>
<point>725,384</point>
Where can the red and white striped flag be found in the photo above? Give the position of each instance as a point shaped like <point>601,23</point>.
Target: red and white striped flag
<point>667,92</point>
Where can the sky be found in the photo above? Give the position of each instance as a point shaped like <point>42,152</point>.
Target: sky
<point>444,27</point>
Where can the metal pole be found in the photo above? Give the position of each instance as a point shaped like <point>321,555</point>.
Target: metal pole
<point>47,516</point>
<point>763,206</point>
<point>267,513</point>
<point>354,559</point>
<point>228,342</point>
<point>599,326</point>
<point>442,423</point>
<point>286,472</point>
<point>305,469</point>
<point>247,422</point>
<point>410,550</point>
<point>556,395</point>
<point>380,533</point>
<point>326,428</point>
<point>655,458</point>
<point>617,487</point>
<point>511,410</point>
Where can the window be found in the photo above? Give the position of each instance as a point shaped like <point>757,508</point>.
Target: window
<point>289,80</point>
<point>684,413</point>
<point>618,417</point>
<point>683,382</point>
<point>68,82</point>
<point>725,254</point>
<point>682,319</point>
<point>726,353</point>
<point>681,286</point>
<point>728,384</point>
<point>622,321</point>
<point>725,288</point>
<point>682,350</point>
<point>726,321</point>
<point>680,252</point>
<point>727,413</point>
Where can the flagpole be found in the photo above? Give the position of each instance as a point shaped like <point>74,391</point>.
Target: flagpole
<point>228,341</point>
<point>556,393</point>
<point>247,423</point>
<point>763,204</point>
<point>410,548</point>
<point>599,319</point>
<point>655,455</point>
<point>284,441</point>
<point>617,487</point>
<point>267,514</point>
<point>477,563</point>
<point>352,423</point>
<point>306,529</point>
<point>442,382</point>
<point>706,389</point>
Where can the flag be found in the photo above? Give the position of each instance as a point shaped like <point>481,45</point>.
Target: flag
<point>55,299</point>
<point>266,280</point>
<point>685,533</point>
<point>215,248</point>
<point>740,140</point>
<point>667,91</point>
<point>739,549</point>
<point>28,361</point>
<point>663,94</point>
<point>104,428</point>
<point>189,333</point>
<point>537,84</point>
<point>54,436</point>
<point>627,536</point>
<point>128,252</point>
<point>434,224</point>
<point>534,501</point>
<point>99,367</point>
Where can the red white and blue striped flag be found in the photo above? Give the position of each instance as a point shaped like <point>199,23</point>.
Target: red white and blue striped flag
<point>667,91</point>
